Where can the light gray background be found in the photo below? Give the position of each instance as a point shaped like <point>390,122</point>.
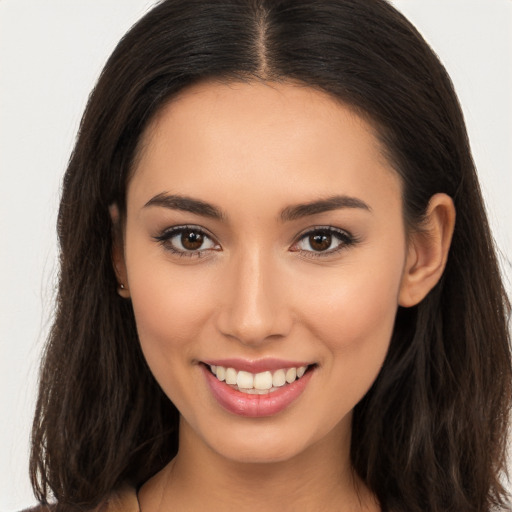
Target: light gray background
<point>51,52</point>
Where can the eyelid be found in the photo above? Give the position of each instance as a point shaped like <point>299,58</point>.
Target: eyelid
<point>346,239</point>
<point>167,234</point>
<point>182,227</point>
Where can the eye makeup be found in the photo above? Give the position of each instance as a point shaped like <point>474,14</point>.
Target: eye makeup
<point>323,241</point>
<point>194,241</point>
<point>187,241</point>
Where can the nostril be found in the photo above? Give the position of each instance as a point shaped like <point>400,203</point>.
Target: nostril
<point>254,327</point>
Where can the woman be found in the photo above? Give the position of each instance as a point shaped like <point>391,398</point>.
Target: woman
<point>278,286</point>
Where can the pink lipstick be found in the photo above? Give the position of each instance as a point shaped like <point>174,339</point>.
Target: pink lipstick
<point>265,399</point>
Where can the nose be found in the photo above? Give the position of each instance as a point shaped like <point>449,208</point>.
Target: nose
<point>253,304</point>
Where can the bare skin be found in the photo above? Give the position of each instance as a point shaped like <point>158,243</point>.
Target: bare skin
<point>302,483</point>
<point>268,275</point>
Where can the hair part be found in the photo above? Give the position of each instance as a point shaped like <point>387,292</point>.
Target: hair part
<point>430,435</point>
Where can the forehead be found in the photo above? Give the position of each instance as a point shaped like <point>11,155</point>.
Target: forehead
<point>279,140</point>
<point>261,104</point>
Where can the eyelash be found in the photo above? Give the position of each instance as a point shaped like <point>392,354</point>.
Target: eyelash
<point>345,240</point>
<point>166,237</point>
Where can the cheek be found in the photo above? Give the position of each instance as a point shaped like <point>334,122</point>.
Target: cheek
<point>171,311</point>
<point>352,317</point>
<point>164,311</point>
<point>171,306</point>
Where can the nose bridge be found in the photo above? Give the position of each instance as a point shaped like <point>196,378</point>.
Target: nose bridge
<point>253,308</point>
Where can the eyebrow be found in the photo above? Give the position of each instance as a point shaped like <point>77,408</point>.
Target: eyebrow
<point>293,212</point>
<point>338,202</point>
<point>186,204</point>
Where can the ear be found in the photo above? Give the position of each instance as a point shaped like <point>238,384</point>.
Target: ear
<point>118,260</point>
<point>428,251</point>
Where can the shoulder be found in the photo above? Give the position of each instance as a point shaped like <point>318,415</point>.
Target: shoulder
<point>121,500</point>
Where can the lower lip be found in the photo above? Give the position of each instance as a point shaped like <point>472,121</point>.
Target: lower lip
<point>255,406</point>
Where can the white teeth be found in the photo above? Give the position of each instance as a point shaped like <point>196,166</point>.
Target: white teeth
<point>220,371</point>
<point>291,375</point>
<point>279,378</point>
<point>258,383</point>
<point>257,391</point>
<point>230,376</point>
<point>262,380</point>
<point>244,380</point>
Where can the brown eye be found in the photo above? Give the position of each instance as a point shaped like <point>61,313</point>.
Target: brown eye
<point>187,241</point>
<point>323,241</point>
<point>320,242</point>
<point>192,240</point>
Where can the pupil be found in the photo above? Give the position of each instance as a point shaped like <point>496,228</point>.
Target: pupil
<point>320,242</point>
<point>192,240</point>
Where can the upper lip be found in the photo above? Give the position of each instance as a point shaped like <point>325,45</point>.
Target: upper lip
<point>256,366</point>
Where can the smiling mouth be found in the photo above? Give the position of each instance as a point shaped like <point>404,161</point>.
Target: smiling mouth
<point>258,383</point>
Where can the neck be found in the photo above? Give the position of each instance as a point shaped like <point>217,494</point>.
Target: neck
<point>317,479</point>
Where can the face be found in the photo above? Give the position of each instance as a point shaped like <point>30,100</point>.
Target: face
<point>264,241</point>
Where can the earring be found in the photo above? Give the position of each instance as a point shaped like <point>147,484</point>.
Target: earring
<point>123,291</point>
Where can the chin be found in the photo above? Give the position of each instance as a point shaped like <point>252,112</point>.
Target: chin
<point>259,451</point>
<point>266,441</point>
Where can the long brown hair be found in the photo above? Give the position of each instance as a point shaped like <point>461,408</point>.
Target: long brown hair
<point>430,435</point>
